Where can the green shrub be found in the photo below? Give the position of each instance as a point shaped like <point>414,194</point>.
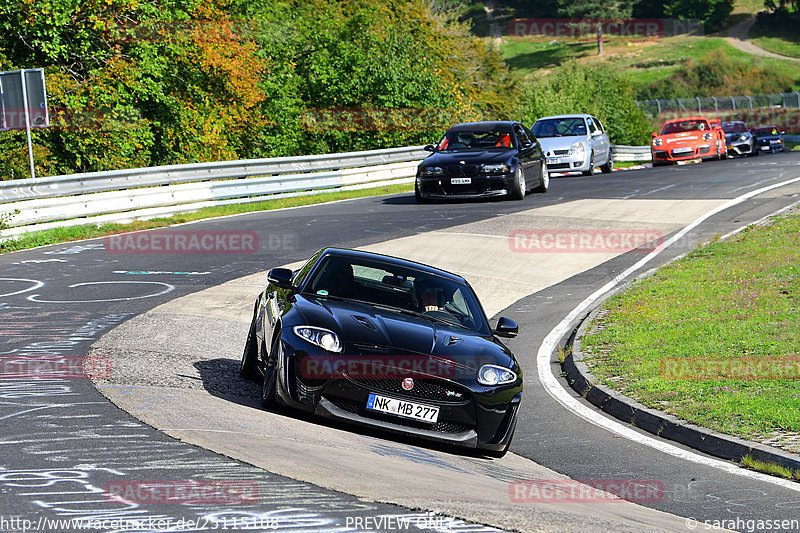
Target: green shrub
<point>598,91</point>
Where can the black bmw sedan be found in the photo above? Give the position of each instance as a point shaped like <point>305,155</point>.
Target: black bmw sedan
<point>387,343</point>
<point>482,159</point>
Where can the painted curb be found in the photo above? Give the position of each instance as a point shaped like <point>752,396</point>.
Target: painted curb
<point>656,422</point>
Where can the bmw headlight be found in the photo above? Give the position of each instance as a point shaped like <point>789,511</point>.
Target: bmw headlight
<point>491,375</point>
<point>324,338</point>
<point>577,150</point>
<point>657,142</point>
<point>496,169</point>
<point>431,171</point>
<point>707,136</point>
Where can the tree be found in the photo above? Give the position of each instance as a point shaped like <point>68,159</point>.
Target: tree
<point>597,12</point>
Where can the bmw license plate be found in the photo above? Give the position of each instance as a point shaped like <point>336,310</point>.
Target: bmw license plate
<point>460,181</point>
<point>425,413</point>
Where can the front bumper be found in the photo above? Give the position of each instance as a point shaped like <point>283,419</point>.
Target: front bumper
<point>770,145</point>
<point>470,415</point>
<point>682,153</point>
<point>740,148</point>
<point>479,186</point>
<point>567,163</point>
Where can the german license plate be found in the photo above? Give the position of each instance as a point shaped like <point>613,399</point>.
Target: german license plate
<point>460,181</point>
<point>685,150</point>
<point>553,160</point>
<point>393,406</point>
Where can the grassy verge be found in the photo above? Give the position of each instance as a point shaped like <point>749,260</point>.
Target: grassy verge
<point>770,468</point>
<point>66,234</point>
<point>713,338</point>
<point>777,33</point>
<point>644,60</point>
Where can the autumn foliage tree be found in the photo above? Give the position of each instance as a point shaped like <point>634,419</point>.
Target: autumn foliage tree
<point>134,83</point>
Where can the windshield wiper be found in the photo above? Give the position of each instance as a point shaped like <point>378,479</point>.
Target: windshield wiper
<point>417,314</point>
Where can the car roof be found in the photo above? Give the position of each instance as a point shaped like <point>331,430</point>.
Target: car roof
<point>572,115</point>
<point>391,260</point>
<point>683,119</point>
<point>486,125</point>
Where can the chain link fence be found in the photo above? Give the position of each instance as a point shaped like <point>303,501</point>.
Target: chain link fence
<point>782,109</point>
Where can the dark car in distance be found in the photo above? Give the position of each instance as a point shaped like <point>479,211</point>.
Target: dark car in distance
<point>769,138</point>
<point>739,139</point>
<point>481,160</point>
<point>387,343</point>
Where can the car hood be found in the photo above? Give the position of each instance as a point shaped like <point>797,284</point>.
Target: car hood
<point>469,157</point>
<point>729,137</point>
<point>365,329</point>
<point>683,137</point>
<point>560,143</point>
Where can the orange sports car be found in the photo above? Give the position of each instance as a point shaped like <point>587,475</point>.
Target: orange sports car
<point>688,138</point>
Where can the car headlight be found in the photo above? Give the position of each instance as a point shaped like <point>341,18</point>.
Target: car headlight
<point>324,338</point>
<point>743,137</point>
<point>577,150</point>
<point>657,142</point>
<point>707,136</point>
<point>495,169</point>
<point>431,171</point>
<point>495,375</point>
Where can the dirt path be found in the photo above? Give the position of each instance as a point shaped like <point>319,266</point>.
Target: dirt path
<point>738,37</point>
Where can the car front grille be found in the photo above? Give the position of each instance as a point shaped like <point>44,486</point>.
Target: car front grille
<point>427,389</point>
<point>461,171</point>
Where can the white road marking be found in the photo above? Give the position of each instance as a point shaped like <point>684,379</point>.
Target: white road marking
<point>554,388</point>
<point>168,288</point>
<point>36,285</point>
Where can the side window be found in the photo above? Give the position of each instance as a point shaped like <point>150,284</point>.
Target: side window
<point>598,124</point>
<point>592,127</point>
<point>300,275</point>
<point>521,135</point>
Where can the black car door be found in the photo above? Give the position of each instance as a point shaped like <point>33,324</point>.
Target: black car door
<point>530,154</point>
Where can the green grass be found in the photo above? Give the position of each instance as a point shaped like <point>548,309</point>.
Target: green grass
<point>777,35</point>
<point>734,302</point>
<point>769,468</point>
<point>66,234</point>
<point>644,60</point>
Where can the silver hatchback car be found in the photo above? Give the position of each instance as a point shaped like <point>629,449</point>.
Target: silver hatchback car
<point>574,143</point>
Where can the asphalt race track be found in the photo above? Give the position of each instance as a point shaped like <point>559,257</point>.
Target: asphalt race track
<point>166,331</point>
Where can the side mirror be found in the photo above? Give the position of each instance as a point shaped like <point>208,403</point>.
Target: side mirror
<point>281,277</point>
<point>654,135</point>
<point>527,144</point>
<point>783,133</point>
<point>717,126</point>
<point>506,328</point>
<point>429,148</point>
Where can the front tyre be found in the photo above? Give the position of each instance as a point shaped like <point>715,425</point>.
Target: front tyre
<point>418,196</point>
<point>270,383</point>
<point>544,178</point>
<point>518,185</point>
<point>248,368</point>
<point>608,167</point>
<point>590,172</point>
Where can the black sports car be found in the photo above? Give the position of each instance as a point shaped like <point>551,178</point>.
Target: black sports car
<point>739,139</point>
<point>770,138</point>
<point>388,343</point>
<point>482,159</point>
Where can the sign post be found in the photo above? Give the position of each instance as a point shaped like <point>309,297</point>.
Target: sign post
<point>23,104</point>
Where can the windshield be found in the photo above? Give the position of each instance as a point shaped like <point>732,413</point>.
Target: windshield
<point>734,127</point>
<point>684,125</point>
<point>559,127</point>
<point>476,140</point>
<point>389,286</point>
<point>768,130</point>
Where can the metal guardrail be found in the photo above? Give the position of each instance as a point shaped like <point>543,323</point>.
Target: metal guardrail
<point>161,191</point>
<point>121,195</point>
<point>631,153</point>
